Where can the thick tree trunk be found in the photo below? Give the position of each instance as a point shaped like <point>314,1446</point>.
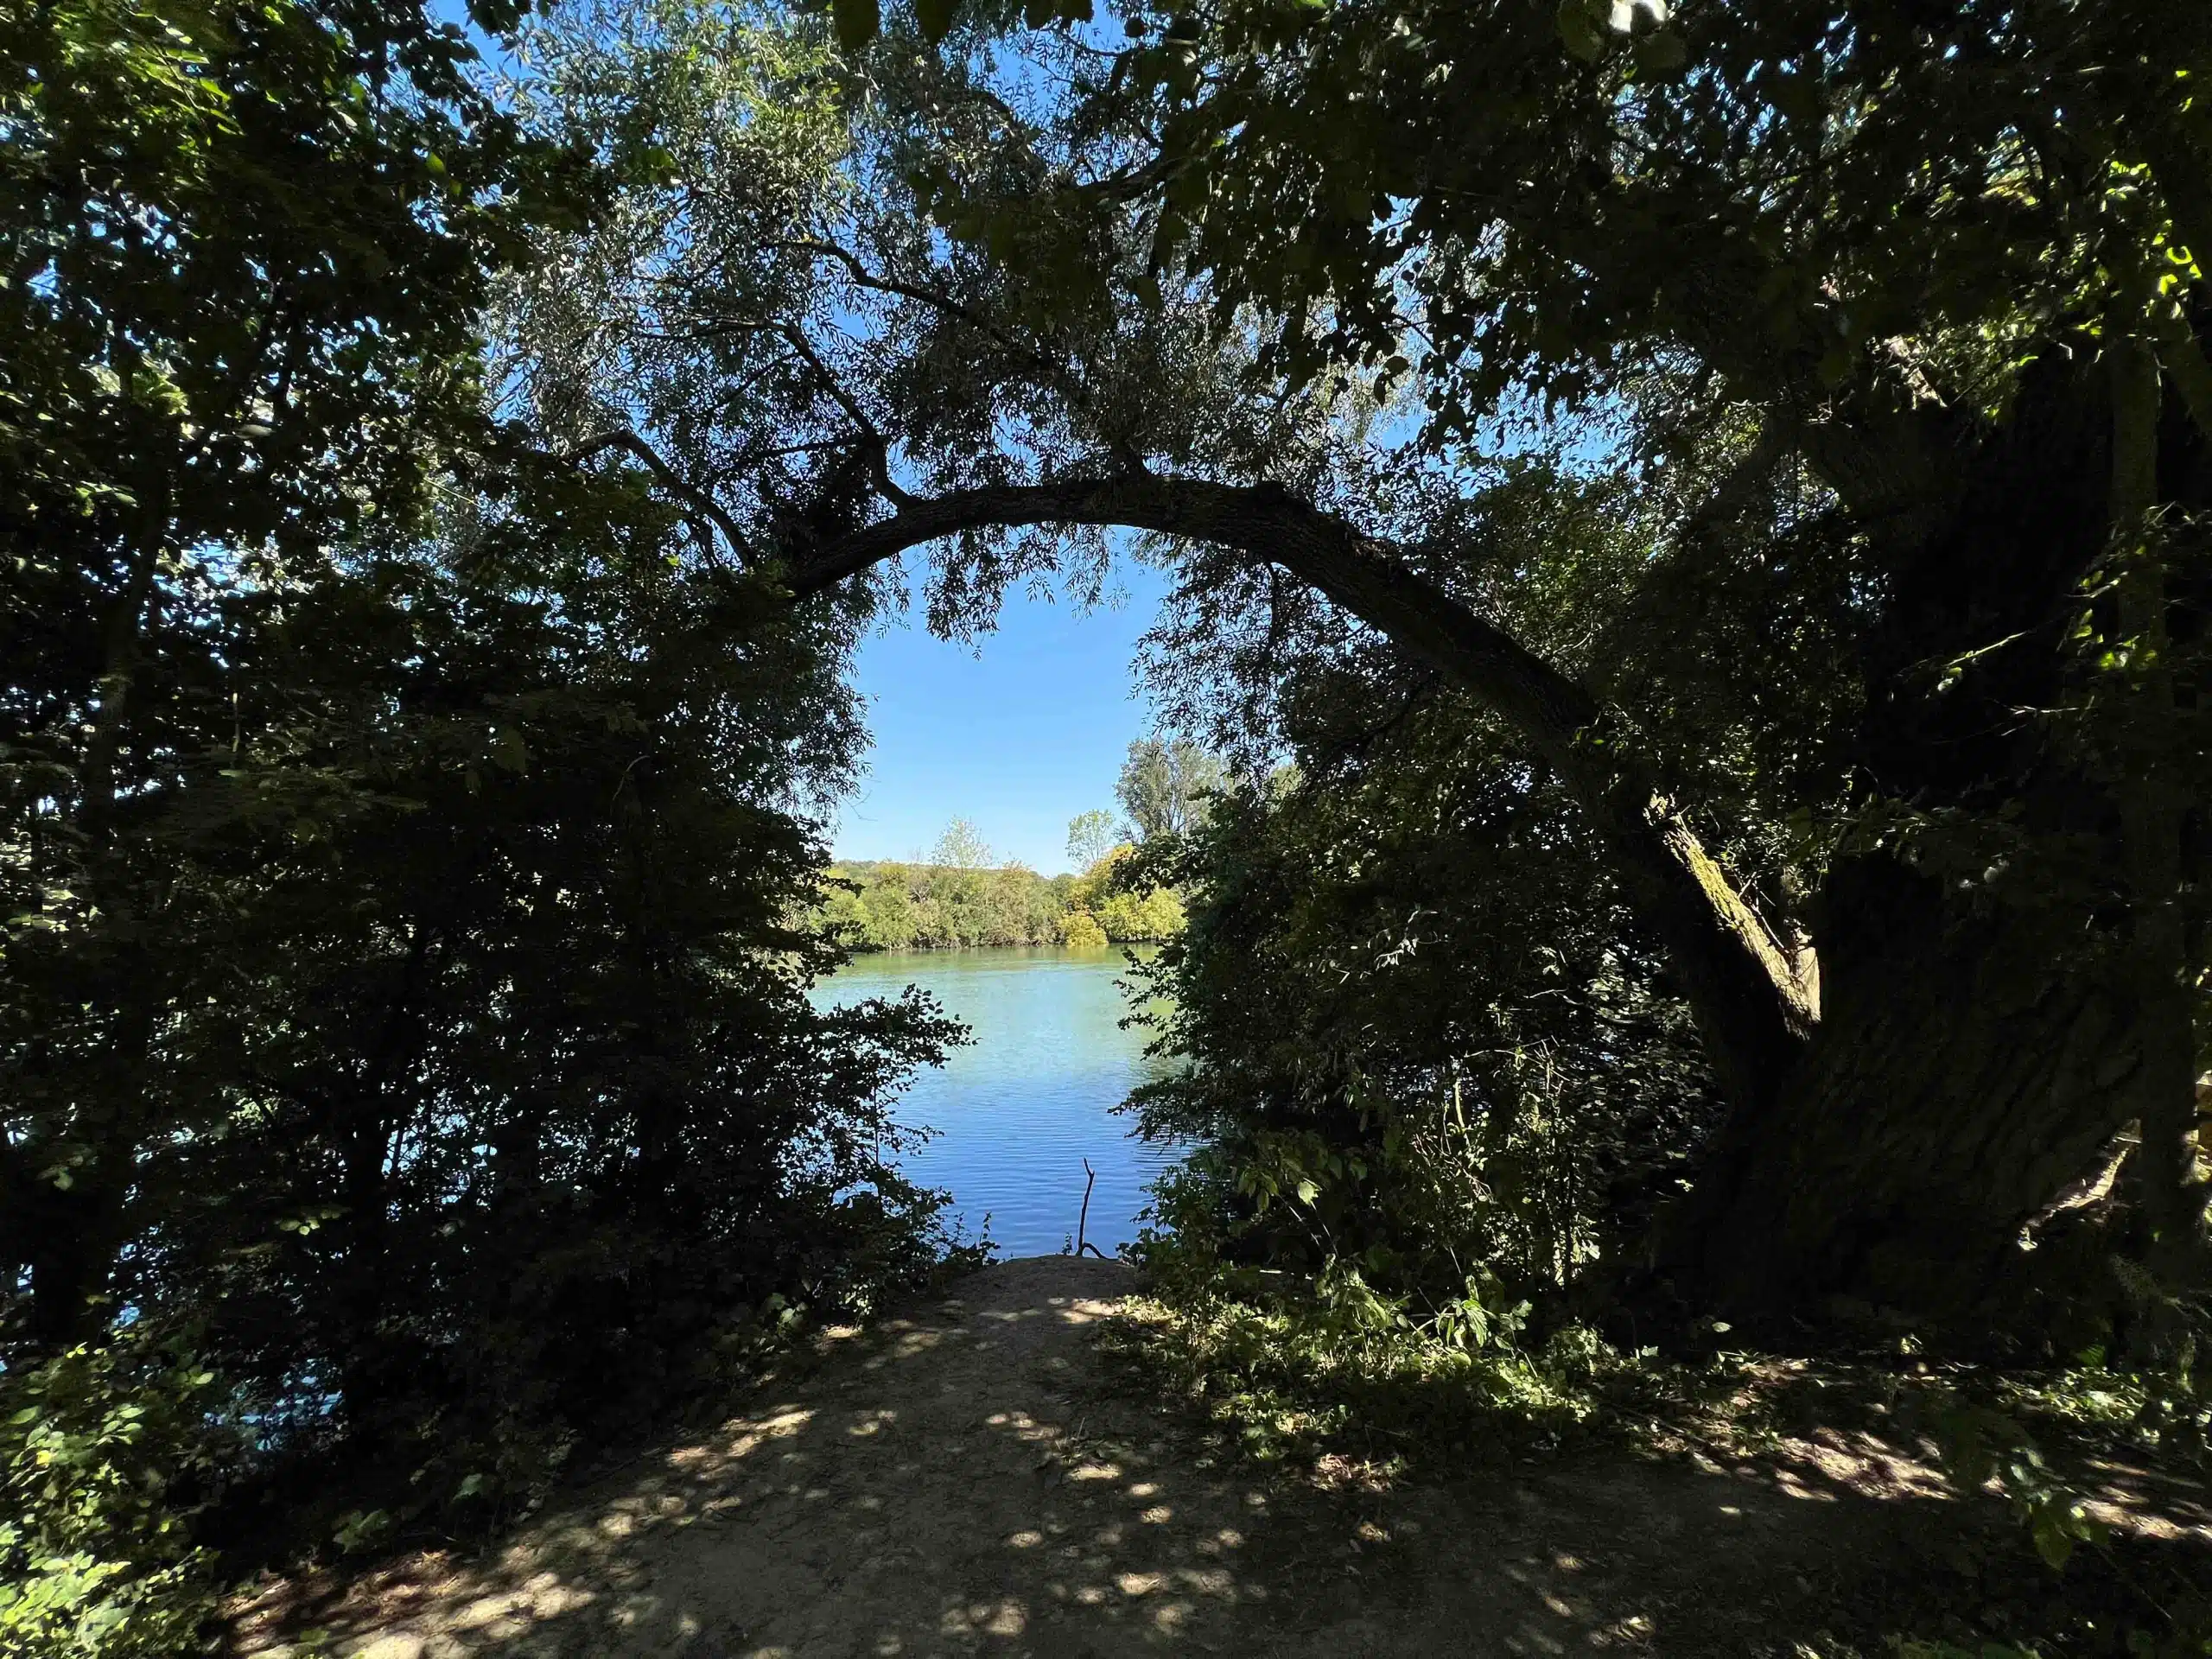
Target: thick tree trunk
<point>1985,1034</point>
<point>1967,1067</point>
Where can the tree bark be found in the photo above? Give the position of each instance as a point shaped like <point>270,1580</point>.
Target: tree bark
<point>1968,1066</point>
<point>2150,810</point>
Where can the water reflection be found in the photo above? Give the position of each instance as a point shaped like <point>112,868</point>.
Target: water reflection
<point>1020,1108</point>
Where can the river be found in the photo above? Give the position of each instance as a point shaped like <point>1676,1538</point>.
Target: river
<point>1020,1108</point>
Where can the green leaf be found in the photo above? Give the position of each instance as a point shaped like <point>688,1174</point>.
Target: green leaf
<point>2054,1543</point>
<point>858,21</point>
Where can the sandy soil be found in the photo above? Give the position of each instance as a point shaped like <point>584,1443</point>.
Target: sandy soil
<point>958,1482</point>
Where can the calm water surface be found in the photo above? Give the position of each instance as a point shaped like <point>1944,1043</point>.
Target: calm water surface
<point>1020,1108</point>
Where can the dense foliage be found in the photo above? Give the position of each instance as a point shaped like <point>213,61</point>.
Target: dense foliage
<point>407,1063</point>
<point>1425,1042</point>
<point>1689,525</point>
<point>1358,1109</point>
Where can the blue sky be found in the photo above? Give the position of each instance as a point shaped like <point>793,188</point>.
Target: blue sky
<point>1017,734</point>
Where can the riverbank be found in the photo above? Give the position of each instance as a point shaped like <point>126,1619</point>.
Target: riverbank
<point>969,1479</point>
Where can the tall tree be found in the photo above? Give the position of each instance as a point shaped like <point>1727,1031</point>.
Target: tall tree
<point>1091,836</point>
<point>1715,206</point>
<point>1165,786</point>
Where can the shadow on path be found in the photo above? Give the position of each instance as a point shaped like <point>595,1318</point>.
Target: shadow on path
<point>953,1482</point>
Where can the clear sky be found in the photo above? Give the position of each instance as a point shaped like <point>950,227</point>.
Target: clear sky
<point>1017,734</point>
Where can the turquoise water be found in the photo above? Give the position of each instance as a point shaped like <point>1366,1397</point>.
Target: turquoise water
<point>1022,1106</point>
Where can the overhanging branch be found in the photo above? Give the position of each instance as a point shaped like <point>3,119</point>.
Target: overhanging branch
<point>1756,1014</point>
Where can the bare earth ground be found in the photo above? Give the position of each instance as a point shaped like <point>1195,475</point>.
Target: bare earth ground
<point>957,1481</point>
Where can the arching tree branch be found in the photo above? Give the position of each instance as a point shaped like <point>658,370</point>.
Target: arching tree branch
<point>1755,1015</point>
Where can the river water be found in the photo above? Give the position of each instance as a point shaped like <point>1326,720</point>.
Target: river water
<point>1020,1109</point>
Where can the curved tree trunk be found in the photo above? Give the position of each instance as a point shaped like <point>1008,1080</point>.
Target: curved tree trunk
<point>1755,1012</point>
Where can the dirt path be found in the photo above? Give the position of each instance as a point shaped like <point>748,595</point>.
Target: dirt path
<point>956,1482</point>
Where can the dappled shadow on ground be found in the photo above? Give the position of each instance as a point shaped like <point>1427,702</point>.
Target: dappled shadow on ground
<point>955,1483</point>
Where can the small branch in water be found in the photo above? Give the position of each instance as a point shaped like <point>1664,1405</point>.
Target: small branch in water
<point>1091,1177</point>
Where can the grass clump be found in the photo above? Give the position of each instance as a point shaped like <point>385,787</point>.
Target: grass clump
<point>1290,1374</point>
<point>1324,1381</point>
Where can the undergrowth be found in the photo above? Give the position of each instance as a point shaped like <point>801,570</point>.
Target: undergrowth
<point>1327,1380</point>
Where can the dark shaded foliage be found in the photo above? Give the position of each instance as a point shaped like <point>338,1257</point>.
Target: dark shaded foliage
<point>407,1063</point>
<point>1423,1038</point>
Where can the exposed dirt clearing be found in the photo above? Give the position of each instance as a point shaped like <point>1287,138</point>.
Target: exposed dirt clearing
<point>958,1482</point>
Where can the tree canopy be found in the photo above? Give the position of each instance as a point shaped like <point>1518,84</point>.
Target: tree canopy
<point>1684,681</point>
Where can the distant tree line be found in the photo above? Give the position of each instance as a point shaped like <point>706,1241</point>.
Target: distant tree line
<point>961,896</point>
<point>891,906</point>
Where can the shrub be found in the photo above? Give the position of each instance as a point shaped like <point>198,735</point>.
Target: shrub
<point>107,1453</point>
